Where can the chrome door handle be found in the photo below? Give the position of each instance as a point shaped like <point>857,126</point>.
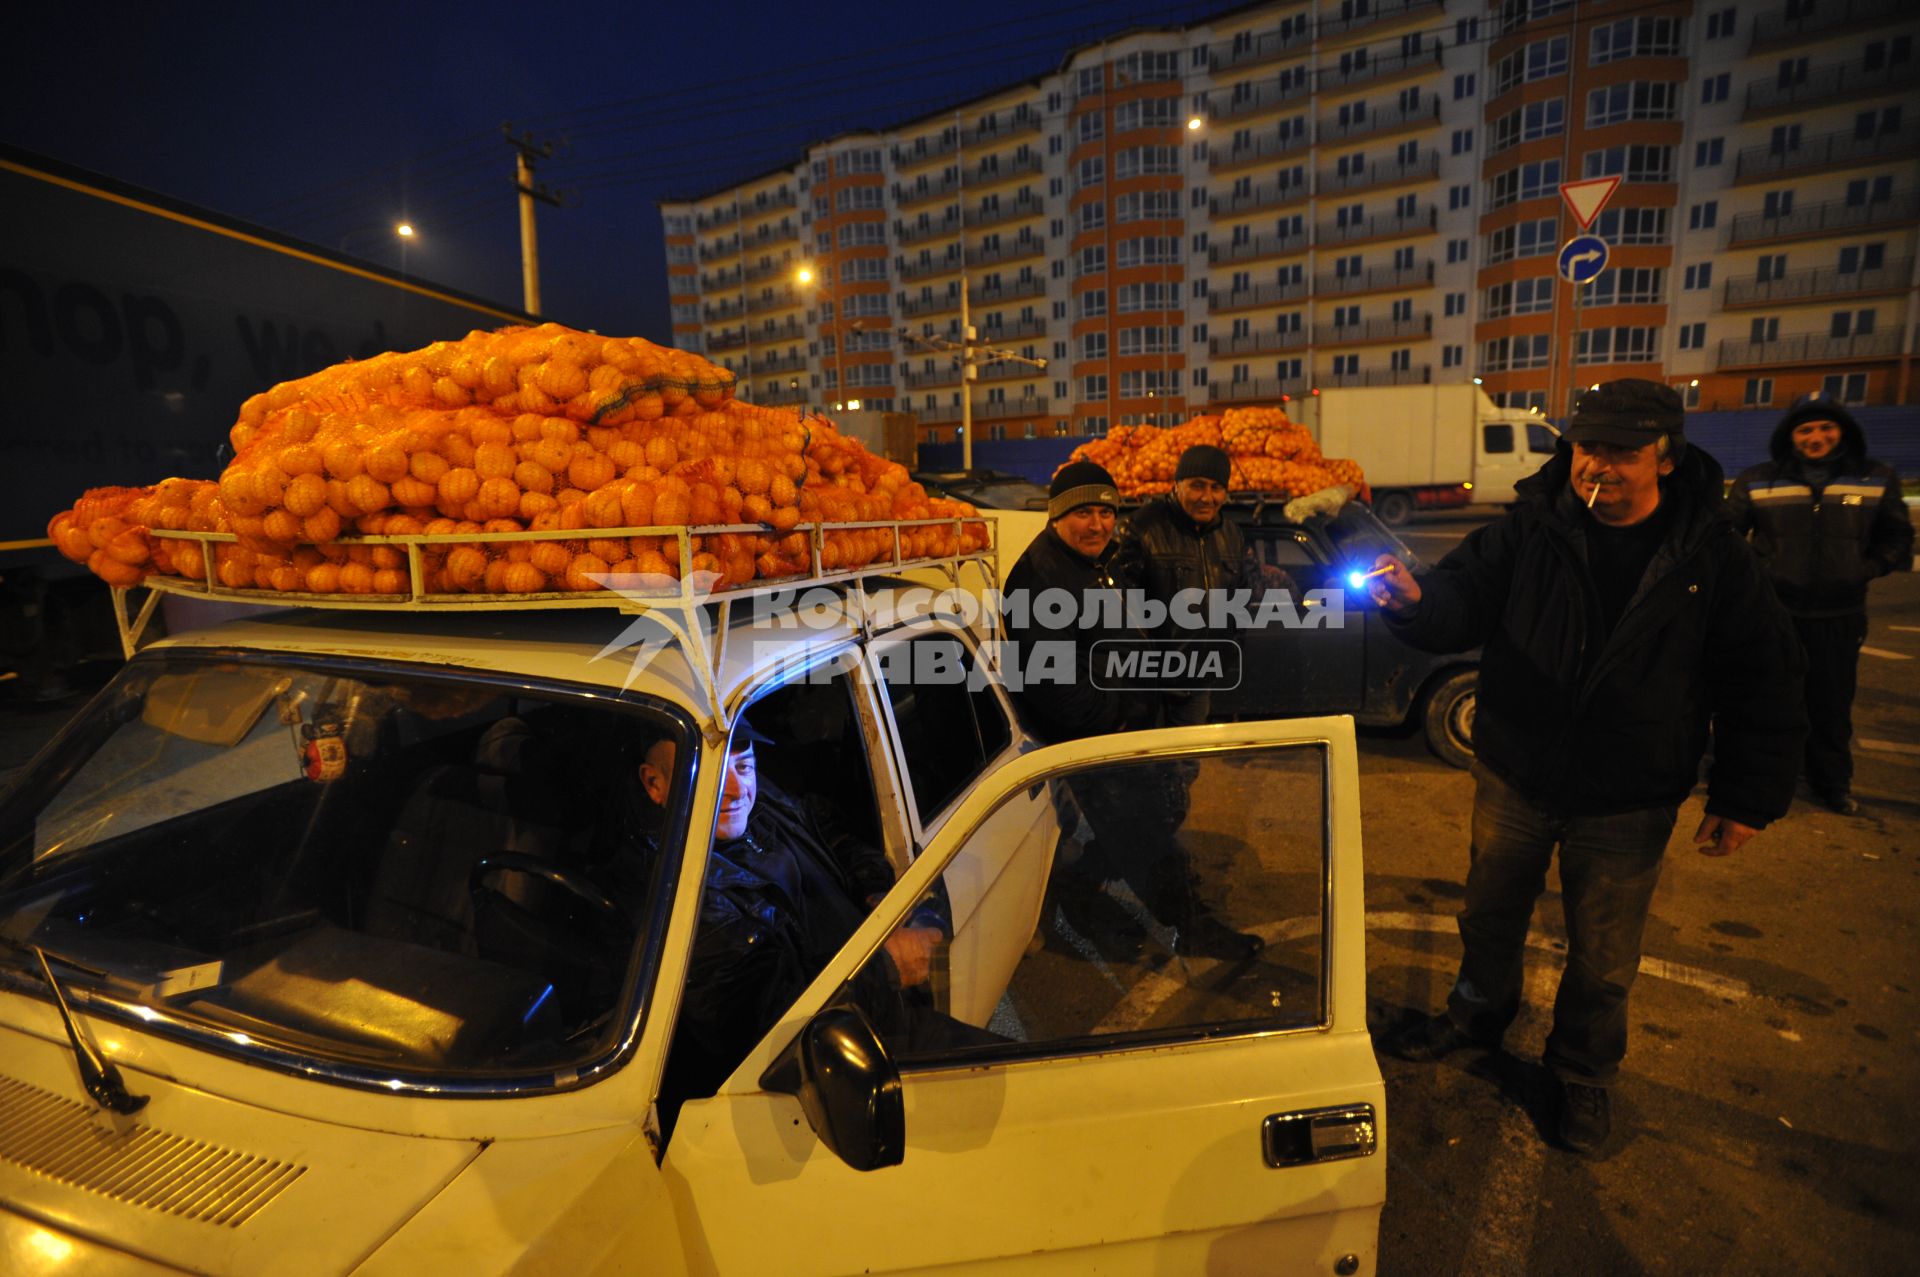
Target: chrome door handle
<point>1319,1135</point>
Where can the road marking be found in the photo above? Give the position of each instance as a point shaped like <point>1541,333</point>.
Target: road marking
<point>1501,1238</point>
<point>1888,746</point>
<point>1153,990</point>
<point>1884,654</point>
<point>1906,629</point>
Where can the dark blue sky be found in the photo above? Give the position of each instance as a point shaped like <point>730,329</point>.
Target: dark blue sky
<point>332,121</point>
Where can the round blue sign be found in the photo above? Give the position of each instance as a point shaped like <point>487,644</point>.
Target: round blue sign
<point>1582,258</point>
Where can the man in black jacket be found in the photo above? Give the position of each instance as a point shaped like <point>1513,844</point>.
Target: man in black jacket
<point>1620,616</point>
<point>1825,520</point>
<point>1133,815</point>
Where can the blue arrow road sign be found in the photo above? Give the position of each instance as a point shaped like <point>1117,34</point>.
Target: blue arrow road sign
<point>1582,258</point>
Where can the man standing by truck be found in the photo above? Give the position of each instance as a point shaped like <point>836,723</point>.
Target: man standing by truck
<point>1825,519</point>
<point>1622,617</point>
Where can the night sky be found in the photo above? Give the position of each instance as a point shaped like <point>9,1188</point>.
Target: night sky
<point>333,122</point>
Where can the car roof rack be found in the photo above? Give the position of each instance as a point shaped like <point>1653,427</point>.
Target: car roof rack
<point>673,603</point>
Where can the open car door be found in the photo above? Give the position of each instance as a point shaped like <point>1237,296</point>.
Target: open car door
<point>1138,1109</point>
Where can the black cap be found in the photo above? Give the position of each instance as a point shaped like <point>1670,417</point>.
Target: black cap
<point>1204,461</point>
<point>1630,412</point>
<point>1080,483</point>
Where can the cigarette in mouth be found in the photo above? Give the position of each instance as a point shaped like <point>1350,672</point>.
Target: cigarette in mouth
<point>1594,495</point>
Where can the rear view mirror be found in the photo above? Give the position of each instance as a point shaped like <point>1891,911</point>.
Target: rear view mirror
<point>847,1086</point>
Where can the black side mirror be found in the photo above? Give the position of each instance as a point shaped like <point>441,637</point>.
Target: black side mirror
<point>847,1086</point>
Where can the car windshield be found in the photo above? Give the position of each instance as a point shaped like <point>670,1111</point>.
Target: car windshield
<point>992,491</point>
<point>367,875</point>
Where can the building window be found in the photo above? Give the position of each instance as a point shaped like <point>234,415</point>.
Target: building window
<point>1452,356</point>
<point>1698,276</point>
<point>1523,239</point>
<point>1520,297</point>
<point>1715,88</point>
<point>1627,286</point>
<point>1693,336</point>
<point>1702,217</point>
<point>1517,353</point>
<point>1720,24</point>
<point>1632,226</point>
<point>1346,365</point>
<point>1759,392</point>
<point>1639,100</point>
<point>1635,37</point>
<point>1846,387</point>
<point>1636,163</point>
<point>1851,323</point>
<point>1528,123</point>
<point>1617,345</point>
<point>1094,387</point>
<point>1709,153</point>
<point>1463,86</point>
<point>1537,180</point>
<point>1455,304</point>
<point>1457,250</point>
<point>1537,61</point>
<point>1462,141</point>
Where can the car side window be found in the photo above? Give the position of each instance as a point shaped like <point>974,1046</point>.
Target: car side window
<point>1129,903</point>
<point>1496,437</point>
<point>818,750</point>
<point>951,724</point>
<point>1288,551</point>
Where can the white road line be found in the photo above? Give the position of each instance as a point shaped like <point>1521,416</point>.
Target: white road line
<point>1906,629</point>
<point>1888,746</point>
<point>1884,654</point>
<point>1501,1238</point>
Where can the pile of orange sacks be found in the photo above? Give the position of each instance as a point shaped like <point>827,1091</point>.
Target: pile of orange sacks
<point>1269,453</point>
<point>524,429</point>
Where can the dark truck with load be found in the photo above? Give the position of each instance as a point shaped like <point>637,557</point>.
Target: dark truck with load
<point>132,327</point>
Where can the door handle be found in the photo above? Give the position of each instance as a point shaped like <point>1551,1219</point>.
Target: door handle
<point>1319,1135</point>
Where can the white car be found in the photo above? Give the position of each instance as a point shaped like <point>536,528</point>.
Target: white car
<point>327,946</point>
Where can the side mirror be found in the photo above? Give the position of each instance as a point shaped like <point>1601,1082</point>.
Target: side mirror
<point>847,1086</point>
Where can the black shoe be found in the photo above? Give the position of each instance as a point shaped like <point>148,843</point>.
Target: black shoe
<point>1586,1116</point>
<point>1433,1038</point>
<point>1203,935</point>
<point>1839,800</point>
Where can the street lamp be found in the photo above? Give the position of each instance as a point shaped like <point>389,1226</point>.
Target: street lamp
<point>806,278</point>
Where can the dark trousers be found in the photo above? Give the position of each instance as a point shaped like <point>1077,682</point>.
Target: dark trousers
<point>1833,666</point>
<point>1609,866</point>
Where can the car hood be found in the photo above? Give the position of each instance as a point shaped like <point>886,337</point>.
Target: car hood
<point>193,1181</point>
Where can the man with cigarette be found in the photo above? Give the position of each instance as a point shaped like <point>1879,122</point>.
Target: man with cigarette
<point>1622,617</point>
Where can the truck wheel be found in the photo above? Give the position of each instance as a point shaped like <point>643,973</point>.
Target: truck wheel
<point>1449,717</point>
<point>1393,508</point>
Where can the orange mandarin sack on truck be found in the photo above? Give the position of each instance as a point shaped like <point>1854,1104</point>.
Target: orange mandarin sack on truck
<point>1269,453</point>
<point>524,429</point>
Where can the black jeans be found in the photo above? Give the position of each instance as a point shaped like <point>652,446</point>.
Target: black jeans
<point>1609,866</point>
<point>1833,665</point>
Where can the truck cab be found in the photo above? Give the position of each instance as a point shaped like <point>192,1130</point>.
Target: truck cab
<point>344,939</point>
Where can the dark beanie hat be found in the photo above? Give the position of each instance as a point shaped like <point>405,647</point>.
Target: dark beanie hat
<point>1630,412</point>
<point>1204,461</point>
<point>1080,483</point>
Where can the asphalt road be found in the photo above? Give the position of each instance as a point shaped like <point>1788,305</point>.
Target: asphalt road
<point>1768,1116</point>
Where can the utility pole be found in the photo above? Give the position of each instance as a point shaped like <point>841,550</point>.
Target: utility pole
<point>526,151</point>
<point>970,353</point>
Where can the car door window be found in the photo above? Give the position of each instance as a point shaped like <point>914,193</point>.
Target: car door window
<point>1141,873</point>
<point>1289,552</point>
<point>951,725</point>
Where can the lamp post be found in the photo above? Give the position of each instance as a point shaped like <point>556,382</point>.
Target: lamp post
<point>806,278</point>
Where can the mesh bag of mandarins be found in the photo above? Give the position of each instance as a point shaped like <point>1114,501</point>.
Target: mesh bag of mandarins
<point>1268,451</point>
<point>524,429</point>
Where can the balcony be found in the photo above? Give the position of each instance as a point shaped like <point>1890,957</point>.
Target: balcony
<point>1416,328</point>
<point>1381,11</point>
<point>1824,85</point>
<point>720,250</point>
<point>1010,370</point>
<point>908,271</point>
<point>718,218</point>
<point>1265,196</point>
<point>788,329</point>
<point>1420,375</point>
<point>1380,226</point>
<point>1023,121</point>
<point>1377,279</point>
<point>1829,150</point>
<point>721,312</point>
<point>939,228</point>
<point>1032,406</point>
<point>1818,284</point>
<point>1264,97</point>
<point>924,380</point>
<point>720,281</point>
<point>1809,348</point>
<point>784,230</point>
<point>911,196</point>
<point>767,270</point>
<point>779,299</point>
<point>1253,389</point>
<point>1390,120</point>
<point>1020,206</point>
<point>1832,218</point>
<point>1246,49</point>
<point>979,296</point>
<point>1262,343</point>
<point>1771,30</point>
<point>1256,150</point>
<point>925,152</point>
<point>1272,244</point>
<point>726,339</point>
<point>1018,329</point>
<point>1380,173</point>
<point>1268,294</point>
<point>784,396</point>
<point>1016,250</point>
<point>914,307</point>
<point>992,172</point>
<point>1388,66</point>
<point>777,364</point>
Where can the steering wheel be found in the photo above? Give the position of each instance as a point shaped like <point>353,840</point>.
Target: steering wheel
<point>565,879</point>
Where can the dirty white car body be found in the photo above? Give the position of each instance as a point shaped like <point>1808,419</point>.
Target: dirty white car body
<point>304,1112</point>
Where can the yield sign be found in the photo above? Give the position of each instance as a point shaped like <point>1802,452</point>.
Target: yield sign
<point>1587,198</point>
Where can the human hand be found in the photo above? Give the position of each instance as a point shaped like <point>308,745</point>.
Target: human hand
<point>1718,835</point>
<point>1394,589</point>
<point>911,949</point>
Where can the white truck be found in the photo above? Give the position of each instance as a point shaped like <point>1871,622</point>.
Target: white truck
<point>1424,447</point>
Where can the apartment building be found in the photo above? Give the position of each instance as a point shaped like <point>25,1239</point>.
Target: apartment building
<point>1293,196</point>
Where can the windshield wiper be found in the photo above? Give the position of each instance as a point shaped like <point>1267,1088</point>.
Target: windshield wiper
<point>98,1075</point>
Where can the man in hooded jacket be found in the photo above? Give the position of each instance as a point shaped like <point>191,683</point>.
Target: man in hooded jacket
<point>1825,519</point>
<point>1621,617</point>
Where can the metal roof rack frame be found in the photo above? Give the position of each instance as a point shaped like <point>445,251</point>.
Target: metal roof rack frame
<point>673,603</point>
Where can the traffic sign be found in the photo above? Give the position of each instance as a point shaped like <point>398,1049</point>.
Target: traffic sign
<point>1587,198</point>
<point>1582,258</point>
